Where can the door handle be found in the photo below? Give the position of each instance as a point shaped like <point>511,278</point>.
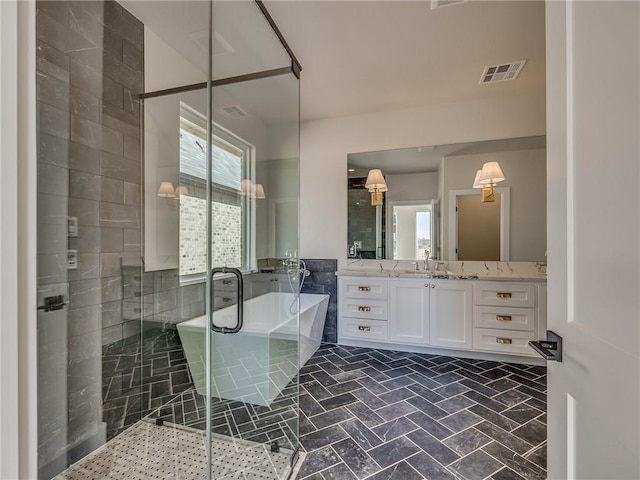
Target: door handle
<point>240,317</point>
<point>551,348</point>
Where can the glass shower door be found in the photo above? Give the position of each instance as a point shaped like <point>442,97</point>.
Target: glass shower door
<point>253,192</point>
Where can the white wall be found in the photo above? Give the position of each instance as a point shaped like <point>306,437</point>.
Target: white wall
<point>326,143</point>
<point>525,173</point>
<point>412,186</point>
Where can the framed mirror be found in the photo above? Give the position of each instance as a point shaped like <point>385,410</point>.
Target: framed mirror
<point>432,210</point>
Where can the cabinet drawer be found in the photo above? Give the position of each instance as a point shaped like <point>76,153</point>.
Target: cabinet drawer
<point>364,308</point>
<point>504,294</point>
<point>364,329</point>
<point>504,318</point>
<point>503,341</point>
<point>375,288</point>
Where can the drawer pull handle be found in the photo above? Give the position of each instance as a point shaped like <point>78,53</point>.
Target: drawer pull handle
<point>364,328</point>
<point>504,294</point>
<point>227,299</point>
<point>227,282</point>
<point>364,309</point>
<point>364,289</point>
<point>504,341</point>
<point>503,318</point>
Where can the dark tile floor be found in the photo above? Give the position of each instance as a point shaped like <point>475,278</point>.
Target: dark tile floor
<point>364,413</point>
<point>140,374</point>
<point>376,414</point>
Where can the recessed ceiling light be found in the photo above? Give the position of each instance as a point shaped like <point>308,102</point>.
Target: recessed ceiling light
<point>351,170</point>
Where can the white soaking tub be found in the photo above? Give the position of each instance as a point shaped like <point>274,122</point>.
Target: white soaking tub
<point>256,364</point>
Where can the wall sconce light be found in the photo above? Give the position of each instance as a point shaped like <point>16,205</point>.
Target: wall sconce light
<point>166,190</point>
<point>251,190</point>
<point>376,185</point>
<point>487,178</point>
<point>181,190</point>
<point>259,189</point>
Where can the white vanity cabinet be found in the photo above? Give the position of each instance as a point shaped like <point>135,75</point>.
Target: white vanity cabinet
<point>482,317</point>
<point>504,317</point>
<point>258,284</point>
<point>451,314</point>
<point>409,302</point>
<point>363,307</point>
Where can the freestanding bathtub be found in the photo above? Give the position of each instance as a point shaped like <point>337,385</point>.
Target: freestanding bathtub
<point>256,364</point>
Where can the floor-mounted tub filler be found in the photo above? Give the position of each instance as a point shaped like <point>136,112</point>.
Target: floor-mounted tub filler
<point>255,364</point>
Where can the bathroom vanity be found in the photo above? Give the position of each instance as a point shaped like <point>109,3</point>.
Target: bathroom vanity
<point>491,316</point>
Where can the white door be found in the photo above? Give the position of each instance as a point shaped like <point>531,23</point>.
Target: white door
<point>450,314</point>
<point>409,311</point>
<point>593,108</point>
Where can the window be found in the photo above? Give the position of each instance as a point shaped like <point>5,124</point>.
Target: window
<point>233,209</point>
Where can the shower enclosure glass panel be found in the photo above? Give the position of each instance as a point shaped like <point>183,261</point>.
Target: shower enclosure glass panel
<point>141,193</point>
<point>253,374</point>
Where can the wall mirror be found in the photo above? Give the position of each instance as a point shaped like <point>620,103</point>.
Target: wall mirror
<point>431,210</point>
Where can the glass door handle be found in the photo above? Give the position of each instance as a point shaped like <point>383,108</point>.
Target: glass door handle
<point>240,317</point>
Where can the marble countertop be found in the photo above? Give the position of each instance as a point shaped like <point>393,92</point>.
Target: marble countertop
<point>448,275</point>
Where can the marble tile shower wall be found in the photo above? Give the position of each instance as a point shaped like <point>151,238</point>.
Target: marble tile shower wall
<point>90,69</point>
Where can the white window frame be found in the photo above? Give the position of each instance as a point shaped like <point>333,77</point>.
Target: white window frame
<point>225,136</point>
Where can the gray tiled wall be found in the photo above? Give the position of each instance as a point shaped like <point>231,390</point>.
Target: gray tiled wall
<point>323,280</point>
<point>90,69</point>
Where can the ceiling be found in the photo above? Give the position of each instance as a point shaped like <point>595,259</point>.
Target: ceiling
<point>359,56</point>
<point>368,56</point>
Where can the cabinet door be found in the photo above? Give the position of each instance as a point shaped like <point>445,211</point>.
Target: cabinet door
<point>409,311</point>
<point>450,318</point>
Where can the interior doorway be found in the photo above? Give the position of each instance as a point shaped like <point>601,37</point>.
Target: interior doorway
<point>478,228</point>
<point>479,231</point>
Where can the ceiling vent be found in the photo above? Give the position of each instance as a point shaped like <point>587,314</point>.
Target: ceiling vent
<point>502,72</point>
<point>234,111</point>
<point>219,46</point>
<point>445,3</point>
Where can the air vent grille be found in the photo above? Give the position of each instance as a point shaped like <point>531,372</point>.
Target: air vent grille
<point>234,111</point>
<point>445,3</point>
<point>502,72</point>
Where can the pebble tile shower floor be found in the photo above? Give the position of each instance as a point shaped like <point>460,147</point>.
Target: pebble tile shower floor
<point>147,451</point>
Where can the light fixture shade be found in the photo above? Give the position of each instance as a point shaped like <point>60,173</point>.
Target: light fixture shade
<point>379,189</point>
<point>375,181</point>
<point>182,190</point>
<point>259,191</point>
<point>476,181</point>
<point>491,173</point>
<point>246,187</point>
<point>166,190</point>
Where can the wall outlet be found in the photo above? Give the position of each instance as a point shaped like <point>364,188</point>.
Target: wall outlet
<point>72,227</point>
<point>357,243</point>
<point>72,259</point>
